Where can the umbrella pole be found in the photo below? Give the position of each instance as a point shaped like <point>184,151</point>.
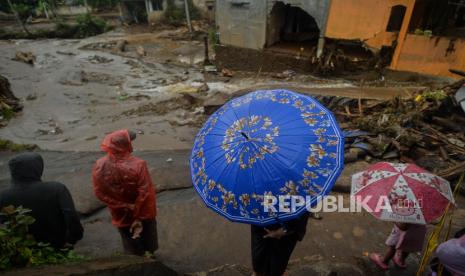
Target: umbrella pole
<point>434,237</point>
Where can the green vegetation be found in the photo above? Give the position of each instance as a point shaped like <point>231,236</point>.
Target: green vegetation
<point>87,25</point>
<point>19,249</point>
<point>6,113</point>
<point>433,95</point>
<point>24,10</point>
<point>176,15</point>
<point>213,36</point>
<point>7,145</point>
<point>427,33</point>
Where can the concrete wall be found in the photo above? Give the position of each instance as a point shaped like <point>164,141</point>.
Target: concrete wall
<point>316,8</point>
<point>364,20</point>
<point>242,23</point>
<point>434,56</point>
<point>275,23</point>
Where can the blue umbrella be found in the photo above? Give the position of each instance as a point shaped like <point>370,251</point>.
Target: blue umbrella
<point>273,142</point>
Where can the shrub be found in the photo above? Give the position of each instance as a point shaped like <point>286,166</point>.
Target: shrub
<point>24,10</point>
<point>19,249</point>
<point>87,25</point>
<point>175,14</point>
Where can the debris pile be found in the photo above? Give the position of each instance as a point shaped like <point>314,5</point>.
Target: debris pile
<point>26,57</point>
<point>9,104</point>
<point>427,129</point>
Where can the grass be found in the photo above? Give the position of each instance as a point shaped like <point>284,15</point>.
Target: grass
<point>7,113</point>
<point>7,145</point>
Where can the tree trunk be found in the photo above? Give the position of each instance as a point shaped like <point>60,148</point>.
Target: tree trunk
<point>44,6</point>
<point>188,16</point>
<point>18,18</point>
<point>87,6</point>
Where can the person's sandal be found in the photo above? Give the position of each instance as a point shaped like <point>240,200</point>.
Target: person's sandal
<point>397,262</point>
<point>376,258</point>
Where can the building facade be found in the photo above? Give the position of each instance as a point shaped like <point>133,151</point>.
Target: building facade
<point>425,36</point>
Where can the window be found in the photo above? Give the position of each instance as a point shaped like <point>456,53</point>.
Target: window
<point>396,18</point>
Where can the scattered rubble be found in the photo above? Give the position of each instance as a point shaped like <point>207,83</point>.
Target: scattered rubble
<point>226,73</point>
<point>99,59</point>
<point>183,101</point>
<point>427,129</point>
<point>286,74</point>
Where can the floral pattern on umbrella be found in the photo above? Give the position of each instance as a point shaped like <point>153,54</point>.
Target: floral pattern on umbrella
<point>271,142</point>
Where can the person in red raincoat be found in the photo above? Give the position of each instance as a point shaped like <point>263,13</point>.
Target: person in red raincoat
<point>123,183</point>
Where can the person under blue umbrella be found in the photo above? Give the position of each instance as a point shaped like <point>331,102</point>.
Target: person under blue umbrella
<point>266,145</point>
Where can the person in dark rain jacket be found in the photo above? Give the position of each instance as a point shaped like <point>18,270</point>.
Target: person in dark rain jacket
<point>272,246</point>
<point>52,207</point>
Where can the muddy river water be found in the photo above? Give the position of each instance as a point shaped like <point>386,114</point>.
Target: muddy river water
<point>79,90</point>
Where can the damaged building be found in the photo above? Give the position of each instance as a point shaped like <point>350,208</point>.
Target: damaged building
<point>425,36</point>
<point>152,10</point>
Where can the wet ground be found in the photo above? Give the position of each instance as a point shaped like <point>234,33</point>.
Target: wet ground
<point>193,238</point>
<point>79,90</point>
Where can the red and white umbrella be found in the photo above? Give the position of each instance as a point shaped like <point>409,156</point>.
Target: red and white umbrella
<point>401,193</point>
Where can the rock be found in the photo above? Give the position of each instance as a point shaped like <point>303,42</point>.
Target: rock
<point>343,183</point>
<point>31,97</point>
<point>26,57</point>
<point>99,59</point>
<point>140,51</point>
<point>121,45</point>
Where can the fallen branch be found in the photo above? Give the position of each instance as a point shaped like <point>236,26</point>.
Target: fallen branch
<point>452,172</point>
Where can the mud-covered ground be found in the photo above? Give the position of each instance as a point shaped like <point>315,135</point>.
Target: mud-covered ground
<point>79,90</point>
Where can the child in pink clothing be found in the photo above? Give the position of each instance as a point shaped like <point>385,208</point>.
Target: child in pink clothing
<point>404,239</point>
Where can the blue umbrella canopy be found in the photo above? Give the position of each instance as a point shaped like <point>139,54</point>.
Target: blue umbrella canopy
<point>271,142</point>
